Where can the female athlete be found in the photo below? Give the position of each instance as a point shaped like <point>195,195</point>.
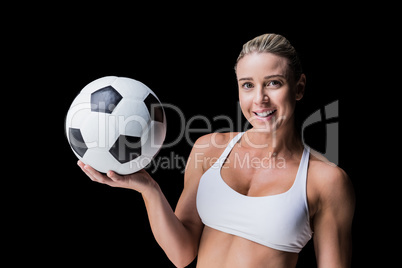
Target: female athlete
<point>241,206</point>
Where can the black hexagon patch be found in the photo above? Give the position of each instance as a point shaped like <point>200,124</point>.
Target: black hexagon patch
<point>105,100</point>
<point>77,141</point>
<point>154,108</point>
<point>126,148</point>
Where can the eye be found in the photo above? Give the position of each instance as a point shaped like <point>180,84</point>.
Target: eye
<point>247,85</point>
<point>274,83</point>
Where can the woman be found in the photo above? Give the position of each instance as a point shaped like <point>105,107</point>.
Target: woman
<point>253,199</point>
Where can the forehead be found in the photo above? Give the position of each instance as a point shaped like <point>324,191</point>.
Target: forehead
<point>261,65</point>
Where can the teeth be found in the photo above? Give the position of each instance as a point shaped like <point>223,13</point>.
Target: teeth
<point>265,114</point>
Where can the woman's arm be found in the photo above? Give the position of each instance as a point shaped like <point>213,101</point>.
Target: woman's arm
<point>180,240</point>
<point>178,234</point>
<point>333,220</point>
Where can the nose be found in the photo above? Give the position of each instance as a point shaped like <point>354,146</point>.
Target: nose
<point>261,96</point>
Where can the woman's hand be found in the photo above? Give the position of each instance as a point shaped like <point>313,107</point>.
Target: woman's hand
<point>140,181</point>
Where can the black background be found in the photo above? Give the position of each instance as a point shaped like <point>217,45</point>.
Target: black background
<point>186,57</point>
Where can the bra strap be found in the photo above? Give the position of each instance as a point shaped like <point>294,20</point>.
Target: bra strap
<point>301,178</point>
<point>305,160</point>
<point>228,149</point>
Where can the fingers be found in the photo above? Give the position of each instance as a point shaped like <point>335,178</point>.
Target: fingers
<point>95,175</point>
<point>113,176</point>
<point>82,166</point>
<point>135,181</point>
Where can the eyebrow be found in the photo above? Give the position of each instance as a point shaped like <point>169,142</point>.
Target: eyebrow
<point>266,77</point>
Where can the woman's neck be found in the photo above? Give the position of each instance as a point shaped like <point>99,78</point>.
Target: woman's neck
<point>283,141</point>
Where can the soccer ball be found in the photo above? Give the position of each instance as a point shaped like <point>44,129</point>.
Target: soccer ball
<point>116,123</point>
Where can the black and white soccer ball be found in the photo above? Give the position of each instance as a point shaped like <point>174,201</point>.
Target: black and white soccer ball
<point>116,123</point>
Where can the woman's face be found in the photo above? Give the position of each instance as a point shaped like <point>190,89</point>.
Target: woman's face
<point>267,92</point>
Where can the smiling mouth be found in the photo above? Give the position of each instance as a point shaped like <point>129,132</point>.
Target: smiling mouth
<point>265,114</point>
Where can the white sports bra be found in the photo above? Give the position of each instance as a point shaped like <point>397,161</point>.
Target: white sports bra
<point>279,221</point>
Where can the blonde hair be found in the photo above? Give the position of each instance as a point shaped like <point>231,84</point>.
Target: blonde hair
<point>277,45</point>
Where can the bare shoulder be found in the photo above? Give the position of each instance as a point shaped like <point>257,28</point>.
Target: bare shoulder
<point>329,181</point>
<point>213,142</point>
<point>216,140</point>
<point>333,203</point>
<point>206,150</point>
<point>209,147</point>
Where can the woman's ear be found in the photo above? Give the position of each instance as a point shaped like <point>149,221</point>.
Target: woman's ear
<point>300,86</point>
